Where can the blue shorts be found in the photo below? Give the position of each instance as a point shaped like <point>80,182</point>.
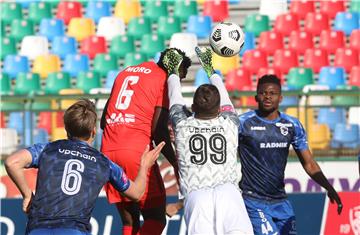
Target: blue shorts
<point>56,231</point>
<point>271,218</point>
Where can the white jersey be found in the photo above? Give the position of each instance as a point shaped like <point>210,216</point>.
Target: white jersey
<point>206,149</point>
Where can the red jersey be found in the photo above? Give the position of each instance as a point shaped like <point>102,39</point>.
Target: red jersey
<point>136,92</point>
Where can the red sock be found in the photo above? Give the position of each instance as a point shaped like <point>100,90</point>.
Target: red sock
<point>130,230</point>
<point>152,227</point>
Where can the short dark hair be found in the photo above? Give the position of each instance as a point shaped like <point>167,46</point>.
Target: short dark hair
<point>80,119</point>
<point>269,78</point>
<point>185,63</point>
<point>206,99</point>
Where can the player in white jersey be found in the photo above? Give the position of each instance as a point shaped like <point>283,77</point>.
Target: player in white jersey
<point>206,145</point>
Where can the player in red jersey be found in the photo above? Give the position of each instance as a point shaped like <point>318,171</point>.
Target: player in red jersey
<point>135,115</point>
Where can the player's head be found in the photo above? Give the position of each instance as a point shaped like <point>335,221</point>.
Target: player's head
<point>185,64</point>
<point>80,120</point>
<point>268,93</point>
<point>206,101</point>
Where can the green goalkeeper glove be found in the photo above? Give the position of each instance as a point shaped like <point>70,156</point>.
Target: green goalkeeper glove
<point>205,57</point>
<point>172,61</point>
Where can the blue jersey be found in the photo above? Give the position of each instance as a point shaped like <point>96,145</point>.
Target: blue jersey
<point>70,177</point>
<point>264,148</point>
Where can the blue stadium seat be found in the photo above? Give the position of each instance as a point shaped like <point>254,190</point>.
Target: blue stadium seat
<point>346,135</point>
<point>331,116</point>
<point>97,9</point>
<point>15,64</point>
<point>51,28</point>
<point>76,63</point>
<point>199,25</point>
<point>332,76</point>
<point>38,135</point>
<point>201,77</point>
<point>249,44</point>
<point>63,46</point>
<point>24,3</point>
<point>110,78</point>
<point>346,22</point>
<point>17,121</point>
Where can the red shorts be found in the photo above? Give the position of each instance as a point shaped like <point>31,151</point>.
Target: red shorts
<point>129,160</point>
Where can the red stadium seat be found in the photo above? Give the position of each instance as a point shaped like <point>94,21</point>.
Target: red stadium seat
<point>299,41</point>
<point>354,77</point>
<point>45,121</point>
<point>316,22</point>
<point>270,41</point>
<point>269,70</point>
<point>346,58</point>
<point>238,79</point>
<point>330,8</point>
<point>284,60</point>
<point>355,40</point>
<point>2,120</point>
<point>286,23</point>
<point>67,10</point>
<point>217,9</point>
<point>93,45</point>
<point>315,58</point>
<point>301,8</point>
<point>253,60</point>
<point>332,40</point>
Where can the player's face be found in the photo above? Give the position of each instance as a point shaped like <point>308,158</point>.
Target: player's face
<point>268,97</point>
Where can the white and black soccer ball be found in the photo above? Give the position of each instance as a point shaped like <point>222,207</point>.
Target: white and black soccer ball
<point>227,39</point>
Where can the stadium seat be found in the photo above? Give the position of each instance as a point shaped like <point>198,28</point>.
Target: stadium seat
<point>5,88</point>
<point>315,22</point>
<point>225,64</point>
<point>354,115</point>
<point>167,26</point>
<point>93,45</point>
<point>110,27</point>
<point>21,28</point>
<point>81,28</point>
<point>286,23</point>
<point>27,83</point>
<point>121,45</point>
<point>330,8</point>
<point>110,78</point>
<point>268,70</point>
<point>104,63</point>
<point>288,101</point>
<point>2,120</point>
<point>346,22</point>
<point>39,135</point>
<point>134,58</point>
<point>8,47</point>
<point>21,121</point>
<point>301,8</point>
<point>346,58</point>
<point>63,45</point>
<point>332,76</point>
<point>58,133</point>
<point>100,103</point>
<point>97,9</point>
<point>199,25</point>
<point>154,9</point>
<point>139,26</point>
<point>151,44</point>
<point>44,121</point>
<point>127,9</point>
<point>355,6</point>
<point>45,64</point>
<point>306,118</point>
<point>15,64</point>
<point>257,23</point>
<point>354,77</point>
<point>346,136</point>
<point>64,104</point>
<point>217,9</point>
<point>51,28</point>
<point>331,40</point>
<point>315,100</point>
<point>299,41</point>
<point>33,46</point>
<point>185,42</point>
<point>318,136</point>
<point>66,10</point>
<point>87,81</point>
<point>9,142</point>
<point>39,11</point>
<point>355,40</point>
<point>10,11</point>
<point>249,43</point>
<point>297,78</point>
<point>347,100</point>
<point>76,63</point>
<point>315,58</point>
<point>201,78</point>
<point>184,9</point>
<point>273,8</point>
<point>238,80</point>
<point>57,81</point>
<point>331,116</point>
<point>270,41</point>
<point>284,60</point>
<point>253,60</point>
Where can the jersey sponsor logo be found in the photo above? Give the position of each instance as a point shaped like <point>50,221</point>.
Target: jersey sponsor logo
<point>258,128</point>
<point>136,69</point>
<point>274,145</point>
<point>77,154</point>
<point>280,124</point>
<point>197,130</point>
<point>120,118</point>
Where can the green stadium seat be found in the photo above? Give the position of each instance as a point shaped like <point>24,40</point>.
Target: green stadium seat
<point>346,100</point>
<point>355,6</point>
<point>103,63</point>
<point>56,82</point>
<point>27,83</point>
<point>8,47</point>
<point>39,10</point>
<point>138,26</point>
<point>40,105</point>
<point>3,30</point>
<point>121,45</point>
<point>154,9</point>
<point>10,11</point>
<point>297,78</point>
<point>5,82</point>
<point>21,28</point>
<point>167,26</point>
<point>11,106</point>
<point>257,23</point>
<point>87,81</point>
<point>152,44</point>
<point>184,9</point>
<point>134,58</point>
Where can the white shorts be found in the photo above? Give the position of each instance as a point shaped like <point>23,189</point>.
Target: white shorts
<point>219,210</point>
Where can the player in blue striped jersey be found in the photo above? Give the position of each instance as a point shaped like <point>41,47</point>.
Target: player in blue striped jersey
<point>265,136</point>
<point>70,176</point>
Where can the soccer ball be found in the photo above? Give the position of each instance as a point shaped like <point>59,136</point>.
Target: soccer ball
<point>227,39</point>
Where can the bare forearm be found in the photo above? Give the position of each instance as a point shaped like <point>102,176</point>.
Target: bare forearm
<point>17,175</point>
<point>139,184</point>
